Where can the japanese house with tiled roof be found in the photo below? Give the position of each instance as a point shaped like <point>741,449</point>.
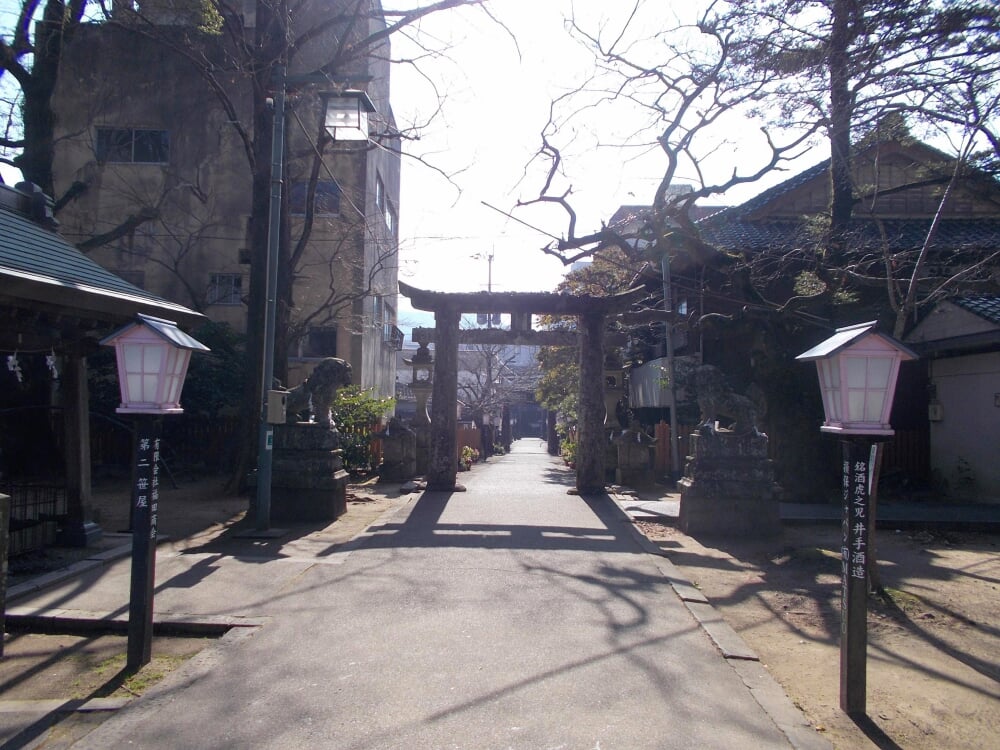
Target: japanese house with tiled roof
<point>736,287</point>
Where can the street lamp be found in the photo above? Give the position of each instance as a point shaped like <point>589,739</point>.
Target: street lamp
<point>152,356</point>
<point>857,368</point>
<point>345,118</point>
<point>346,114</point>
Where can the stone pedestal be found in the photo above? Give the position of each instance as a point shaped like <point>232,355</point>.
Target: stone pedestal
<point>421,423</point>
<point>423,449</point>
<point>399,453</point>
<point>308,479</point>
<point>728,487</point>
<point>635,466</point>
<point>611,458</point>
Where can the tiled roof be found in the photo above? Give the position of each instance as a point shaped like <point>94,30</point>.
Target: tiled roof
<point>987,307</point>
<point>734,213</point>
<point>731,233</point>
<point>735,228</point>
<point>38,265</point>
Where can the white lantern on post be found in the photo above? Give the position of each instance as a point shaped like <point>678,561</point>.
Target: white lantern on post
<point>153,356</point>
<point>857,368</point>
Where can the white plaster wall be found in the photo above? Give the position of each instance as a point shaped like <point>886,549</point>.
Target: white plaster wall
<point>968,389</point>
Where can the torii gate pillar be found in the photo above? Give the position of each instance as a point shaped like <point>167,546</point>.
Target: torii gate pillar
<point>444,405</point>
<point>590,448</point>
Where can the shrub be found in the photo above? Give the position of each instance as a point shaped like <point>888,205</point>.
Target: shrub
<point>567,449</point>
<point>469,456</point>
<point>358,415</point>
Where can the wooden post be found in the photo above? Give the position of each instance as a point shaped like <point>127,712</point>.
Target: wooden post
<point>857,521</point>
<point>4,549</point>
<point>77,531</point>
<point>145,499</point>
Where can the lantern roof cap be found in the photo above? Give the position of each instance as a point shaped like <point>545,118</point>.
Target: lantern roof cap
<point>362,96</point>
<point>165,329</point>
<point>850,335</point>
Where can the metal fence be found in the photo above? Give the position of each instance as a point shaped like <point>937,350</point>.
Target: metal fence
<point>35,511</point>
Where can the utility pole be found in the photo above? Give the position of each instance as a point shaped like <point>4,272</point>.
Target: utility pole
<point>668,307</point>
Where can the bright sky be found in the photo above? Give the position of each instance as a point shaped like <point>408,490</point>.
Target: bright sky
<point>497,86</point>
<point>498,93</point>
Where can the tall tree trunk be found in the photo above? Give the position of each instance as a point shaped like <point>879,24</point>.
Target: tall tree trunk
<point>35,161</point>
<point>841,110</point>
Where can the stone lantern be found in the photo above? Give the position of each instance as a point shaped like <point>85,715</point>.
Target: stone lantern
<point>614,391</point>
<point>421,382</point>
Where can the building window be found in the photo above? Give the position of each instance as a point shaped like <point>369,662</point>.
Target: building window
<point>390,218</point>
<point>385,315</point>
<point>322,342</point>
<point>225,289</point>
<point>379,193</point>
<point>132,146</point>
<point>384,205</point>
<point>327,198</point>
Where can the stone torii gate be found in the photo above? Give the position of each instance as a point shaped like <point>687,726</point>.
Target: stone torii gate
<point>448,308</point>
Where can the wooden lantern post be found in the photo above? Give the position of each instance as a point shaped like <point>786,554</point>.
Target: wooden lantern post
<point>857,368</point>
<point>152,356</point>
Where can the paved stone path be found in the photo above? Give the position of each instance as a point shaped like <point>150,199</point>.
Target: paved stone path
<point>513,615</point>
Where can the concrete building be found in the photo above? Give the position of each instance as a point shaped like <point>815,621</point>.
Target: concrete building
<point>154,111</point>
<point>959,343</point>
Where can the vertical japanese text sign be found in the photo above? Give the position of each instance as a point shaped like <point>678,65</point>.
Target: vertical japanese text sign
<point>145,501</point>
<point>854,570</point>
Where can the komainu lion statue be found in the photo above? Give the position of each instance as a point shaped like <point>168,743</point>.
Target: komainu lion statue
<point>716,399</point>
<point>316,393</point>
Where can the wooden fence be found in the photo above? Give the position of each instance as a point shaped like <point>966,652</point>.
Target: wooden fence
<point>198,442</point>
<point>467,435</point>
<point>662,447</point>
<point>909,453</point>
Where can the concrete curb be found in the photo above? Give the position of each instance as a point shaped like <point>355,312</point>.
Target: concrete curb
<point>77,621</point>
<point>768,693</point>
<point>97,560</point>
<point>50,706</point>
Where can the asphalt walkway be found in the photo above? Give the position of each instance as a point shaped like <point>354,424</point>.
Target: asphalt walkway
<point>512,615</point>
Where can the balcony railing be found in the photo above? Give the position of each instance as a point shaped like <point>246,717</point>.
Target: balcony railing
<point>392,337</point>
